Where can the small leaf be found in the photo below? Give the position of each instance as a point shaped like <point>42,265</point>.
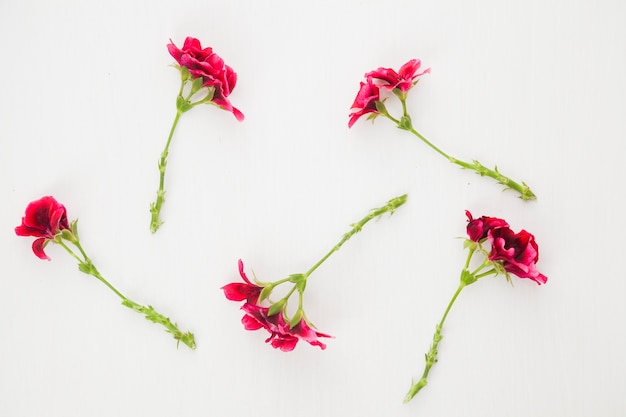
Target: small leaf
<point>265,292</point>
<point>296,319</point>
<point>196,85</point>
<point>277,307</point>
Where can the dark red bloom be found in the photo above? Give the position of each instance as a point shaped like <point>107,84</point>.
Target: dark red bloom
<point>477,229</point>
<point>43,219</point>
<point>518,253</point>
<point>365,101</point>
<point>205,64</point>
<point>403,80</point>
<point>238,291</point>
<point>281,335</point>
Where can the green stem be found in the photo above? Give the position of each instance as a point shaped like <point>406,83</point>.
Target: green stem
<point>524,191</point>
<point>86,266</point>
<point>431,356</point>
<point>155,208</point>
<point>391,205</point>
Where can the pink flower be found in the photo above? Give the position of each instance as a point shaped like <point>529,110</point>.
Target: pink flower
<point>281,335</point>
<point>477,229</point>
<point>403,79</point>
<point>518,253</point>
<point>365,101</point>
<point>44,218</point>
<point>238,291</point>
<point>205,64</point>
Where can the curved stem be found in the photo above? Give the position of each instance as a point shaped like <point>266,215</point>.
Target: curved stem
<point>429,143</point>
<point>523,189</point>
<point>155,208</point>
<point>86,266</point>
<point>356,227</point>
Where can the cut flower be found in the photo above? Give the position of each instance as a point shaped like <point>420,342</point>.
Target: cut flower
<point>205,79</point>
<point>263,313</point>
<point>370,100</point>
<point>205,64</point>
<point>510,252</point>
<point>44,218</point>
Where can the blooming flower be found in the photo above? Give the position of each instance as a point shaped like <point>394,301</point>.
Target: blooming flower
<point>365,101</point>
<point>261,312</point>
<point>46,219</point>
<point>43,219</point>
<point>515,253</point>
<point>205,79</point>
<point>403,80</point>
<point>238,291</point>
<point>282,335</point>
<point>518,253</point>
<point>477,228</point>
<point>206,64</point>
<point>368,100</point>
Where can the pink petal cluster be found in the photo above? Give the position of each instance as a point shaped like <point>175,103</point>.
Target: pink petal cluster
<point>206,64</point>
<point>477,229</point>
<point>238,291</point>
<point>403,80</point>
<point>517,252</point>
<point>43,219</point>
<point>282,335</point>
<point>369,91</point>
<point>365,101</point>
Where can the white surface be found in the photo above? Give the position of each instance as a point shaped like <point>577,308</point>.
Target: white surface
<point>87,99</point>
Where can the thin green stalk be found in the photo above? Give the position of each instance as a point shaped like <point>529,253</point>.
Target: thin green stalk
<point>155,208</point>
<point>405,124</point>
<point>524,191</point>
<point>391,205</point>
<point>431,356</point>
<point>86,266</point>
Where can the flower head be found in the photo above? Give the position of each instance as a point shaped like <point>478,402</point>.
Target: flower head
<point>43,219</point>
<point>282,335</point>
<point>477,229</point>
<point>518,253</point>
<point>365,101</point>
<point>206,64</point>
<point>238,291</point>
<point>403,80</point>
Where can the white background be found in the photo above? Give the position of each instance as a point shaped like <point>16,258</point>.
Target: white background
<point>86,102</point>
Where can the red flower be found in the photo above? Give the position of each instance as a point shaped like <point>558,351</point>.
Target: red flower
<point>43,219</point>
<point>205,64</point>
<point>281,335</point>
<point>365,101</point>
<point>477,229</point>
<point>518,253</point>
<point>238,291</point>
<point>403,79</point>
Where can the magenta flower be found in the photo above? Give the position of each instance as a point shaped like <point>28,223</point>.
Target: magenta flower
<point>477,228</point>
<point>46,219</point>
<point>238,291</point>
<point>365,101</point>
<point>403,80</point>
<point>205,79</point>
<point>399,83</point>
<point>510,253</point>
<point>43,219</point>
<point>206,64</point>
<point>263,312</point>
<point>282,335</point>
<point>518,253</point>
